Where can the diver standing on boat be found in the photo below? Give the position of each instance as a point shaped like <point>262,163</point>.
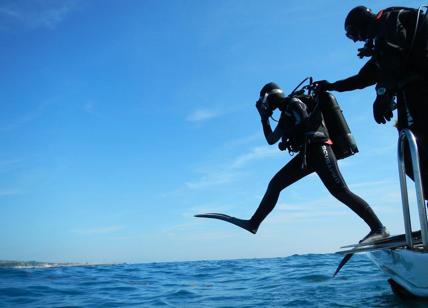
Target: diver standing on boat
<point>396,40</point>
<point>301,130</point>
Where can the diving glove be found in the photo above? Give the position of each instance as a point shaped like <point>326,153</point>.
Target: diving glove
<point>264,111</point>
<point>366,50</point>
<point>323,85</point>
<point>382,106</point>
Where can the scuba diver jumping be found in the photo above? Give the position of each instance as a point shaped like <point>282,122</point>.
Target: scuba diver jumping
<point>301,130</point>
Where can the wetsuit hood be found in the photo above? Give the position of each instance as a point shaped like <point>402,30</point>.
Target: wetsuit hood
<point>360,24</point>
<point>272,94</point>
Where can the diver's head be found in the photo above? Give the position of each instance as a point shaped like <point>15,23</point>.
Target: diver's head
<point>271,95</point>
<point>360,24</point>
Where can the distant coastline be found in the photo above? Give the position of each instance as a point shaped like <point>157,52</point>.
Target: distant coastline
<point>36,264</point>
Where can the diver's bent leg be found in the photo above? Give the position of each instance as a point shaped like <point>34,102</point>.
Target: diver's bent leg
<point>289,174</point>
<point>358,206</point>
<point>330,175</point>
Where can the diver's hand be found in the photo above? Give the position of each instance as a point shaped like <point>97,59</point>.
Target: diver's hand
<point>283,145</point>
<point>323,85</point>
<point>382,108</point>
<point>264,112</point>
<point>364,52</point>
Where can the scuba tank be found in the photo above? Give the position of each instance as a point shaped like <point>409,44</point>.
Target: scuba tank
<point>344,144</point>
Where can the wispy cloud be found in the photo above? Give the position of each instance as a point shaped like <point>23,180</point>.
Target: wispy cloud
<point>232,171</point>
<point>319,215</point>
<point>256,137</point>
<point>314,209</point>
<point>213,178</point>
<point>7,12</point>
<point>89,107</point>
<point>9,192</point>
<point>373,184</point>
<point>99,230</point>
<point>255,154</point>
<point>25,118</point>
<point>35,14</point>
<point>202,115</point>
<point>92,109</point>
<point>7,164</point>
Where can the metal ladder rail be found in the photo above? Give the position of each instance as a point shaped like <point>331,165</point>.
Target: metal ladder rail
<point>407,135</point>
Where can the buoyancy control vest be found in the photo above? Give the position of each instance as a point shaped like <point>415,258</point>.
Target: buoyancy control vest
<point>401,44</point>
<point>300,124</point>
<point>404,27</point>
<point>328,124</point>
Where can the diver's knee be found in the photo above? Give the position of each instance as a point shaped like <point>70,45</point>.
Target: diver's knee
<point>340,192</point>
<point>274,185</point>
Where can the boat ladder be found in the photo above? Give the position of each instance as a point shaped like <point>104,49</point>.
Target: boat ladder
<point>407,136</point>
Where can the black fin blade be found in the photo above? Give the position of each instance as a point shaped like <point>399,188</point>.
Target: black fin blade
<point>342,263</point>
<point>215,216</point>
<point>244,224</point>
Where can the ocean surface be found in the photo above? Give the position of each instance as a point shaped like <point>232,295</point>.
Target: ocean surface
<point>295,281</point>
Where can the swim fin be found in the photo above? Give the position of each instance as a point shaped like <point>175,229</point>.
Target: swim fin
<point>394,238</point>
<point>342,263</point>
<point>243,223</point>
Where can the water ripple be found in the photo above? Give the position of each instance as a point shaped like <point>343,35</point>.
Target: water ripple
<point>295,281</point>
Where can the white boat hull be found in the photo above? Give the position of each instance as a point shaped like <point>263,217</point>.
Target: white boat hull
<point>407,268</point>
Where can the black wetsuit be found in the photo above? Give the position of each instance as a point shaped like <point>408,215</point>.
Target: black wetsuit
<point>400,64</point>
<point>305,132</point>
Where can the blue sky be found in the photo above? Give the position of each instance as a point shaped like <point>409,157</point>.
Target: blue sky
<point>120,120</point>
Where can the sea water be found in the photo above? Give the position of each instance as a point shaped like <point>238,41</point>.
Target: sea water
<point>295,281</point>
